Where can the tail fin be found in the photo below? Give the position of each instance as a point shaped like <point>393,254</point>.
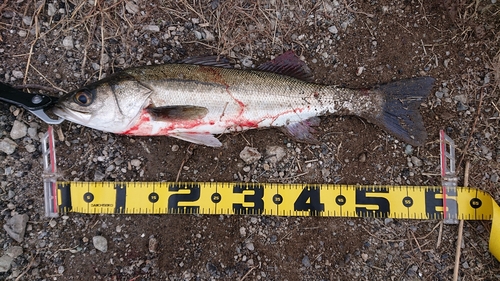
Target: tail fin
<point>400,115</point>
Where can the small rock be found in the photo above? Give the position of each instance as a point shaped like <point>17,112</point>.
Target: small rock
<point>17,74</point>
<point>68,42</point>
<point>151,27</point>
<point>100,243</point>
<point>131,7</point>
<point>247,62</point>
<point>52,223</point>
<point>250,246</point>
<point>153,244</point>
<point>461,98</point>
<point>5,262</point>
<point>275,153</point>
<point>208,36</point>
<point>27,20</point>
<point>51,10</point>
<point>16,226</point>
<point>333,29</point>
<point>98,175</point>
<point>408,149</point>
<point>243,231</point>
<point>306,262</point>
<point>14,251</point>
<point>364,257</point>
<point>175,148</point>
<point>8,146</point>
<point>494,177</point>
<point>30,148</point>
<point>250,155</point>
<point>135,162</point>
<point>416,161</point>
<point>60,269</point>
<point>19,130</point>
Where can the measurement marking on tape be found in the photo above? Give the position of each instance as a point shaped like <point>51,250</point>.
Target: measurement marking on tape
<point>406,202</point>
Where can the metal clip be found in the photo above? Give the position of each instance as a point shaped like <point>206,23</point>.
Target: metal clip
<point>448,179</point>
<point>49,175</point>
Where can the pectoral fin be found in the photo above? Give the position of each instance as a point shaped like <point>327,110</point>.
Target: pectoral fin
<point>177,112</point>
<point>198,138</point>
<point>302,131</point>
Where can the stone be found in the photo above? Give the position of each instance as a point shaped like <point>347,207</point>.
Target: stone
<point>275,154</point>
<point>19,130</point>
<point>17,74</point>
<point>16,227</point>
<point>306,261</point>
<point>250,246</point>
<point>100,243</point>
<point>68,42</point>
<point>5,262</point>
<point>333,29</point>
<point>8,146</point>
<point>250,155</point>
<point>131,7</point>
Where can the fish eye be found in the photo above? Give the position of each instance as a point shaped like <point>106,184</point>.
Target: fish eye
<point>84,98</point>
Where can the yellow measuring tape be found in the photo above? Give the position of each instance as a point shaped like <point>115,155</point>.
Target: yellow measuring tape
<point>328,200</point>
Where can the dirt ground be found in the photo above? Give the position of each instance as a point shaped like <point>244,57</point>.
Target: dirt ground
<point>60,45</point>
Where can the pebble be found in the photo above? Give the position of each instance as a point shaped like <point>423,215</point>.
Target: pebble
<point>247,62</point>
<point>135,162</point>
<point>98,175</point>
<point>306,261</point>
<point>408,149</point>
<point>51,10</point>
<point>151,27</point>
<point>494,177</point>
<point>27,20</point>
<point>250,155</point>
<point>243,231</point>
<point>175,148</point>
<point>33,133</point>
<point>275,153</point>
<point>68,42</point>
<point>16,227</point>
<point>30,148</point>
<point>8,146</point>
<point>60,269</point>
<point>333,29</point>
<point>152,245</point>
<point>364,257</point>
<point>416,161</point>
<point>52,223</point>
<point>19,130</point>
<point>5,262</point>
<point>250,246</point>
<point>17,74</point>
<point>131,7</point>
<point>100,243</point>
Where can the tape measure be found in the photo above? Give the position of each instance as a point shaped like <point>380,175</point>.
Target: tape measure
<point>447,202</point>
<point>327,200</point>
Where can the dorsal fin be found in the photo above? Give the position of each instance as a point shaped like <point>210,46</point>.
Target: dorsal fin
<point>208,61</point>
<point>288,64</point>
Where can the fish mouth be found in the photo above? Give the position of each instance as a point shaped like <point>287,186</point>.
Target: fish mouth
<point>72,115</point>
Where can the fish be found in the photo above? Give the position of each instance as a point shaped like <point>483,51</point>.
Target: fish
<point>198,98</point>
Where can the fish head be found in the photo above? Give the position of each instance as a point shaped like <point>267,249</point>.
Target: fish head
<point>111,104</point>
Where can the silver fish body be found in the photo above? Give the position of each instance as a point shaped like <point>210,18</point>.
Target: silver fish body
<point>196,102</point>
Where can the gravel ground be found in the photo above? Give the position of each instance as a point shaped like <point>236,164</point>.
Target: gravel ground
<point>57,46</point>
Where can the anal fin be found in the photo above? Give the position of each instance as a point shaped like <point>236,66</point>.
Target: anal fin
<point>198,138</point>
<point>302,131</point>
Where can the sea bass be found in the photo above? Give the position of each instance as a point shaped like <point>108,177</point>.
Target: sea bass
<point>199,98</point>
